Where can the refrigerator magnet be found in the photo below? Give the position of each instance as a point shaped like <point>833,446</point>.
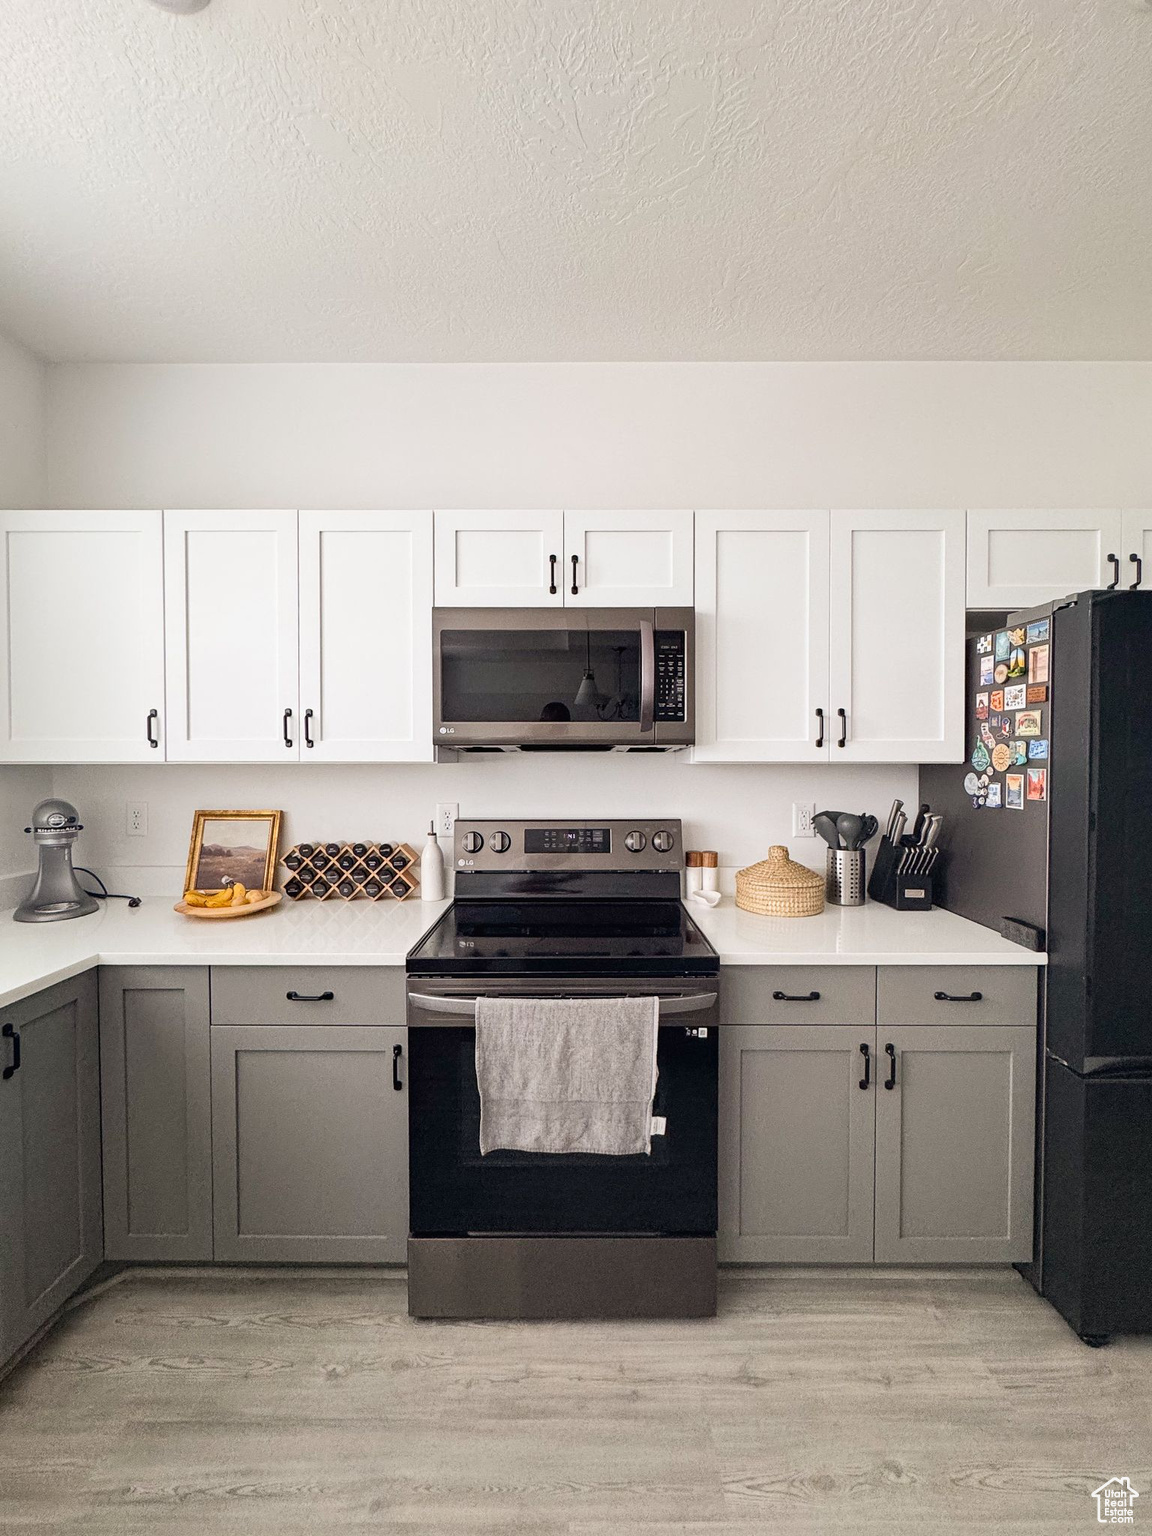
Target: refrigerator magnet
<point>1001,758</point>
<point>1019,750</point>
<point>1016,636</point>
<point>980,759</point>
<point>986,666</point>
<point>1038,747</point>
<point>1028,722</point>
<point>996,699</point>
<point>1038,664</point>
<point>1014,791</point>
<point>986,735</point>
<point>1000,675</point>
<point>1017,662</point>
<point>993,798</point>
<point>1037,632</point>
<point>971,783</point>
<point>1004,729</point>
<point>1015,697</point>
<point>1002,646</point>
<point>1037,693</point>
<point>981,706</point>
<point>984,645</point>
<point>1037,783</point>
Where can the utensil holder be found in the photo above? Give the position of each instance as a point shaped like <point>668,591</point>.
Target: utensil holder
<point>844,880</point>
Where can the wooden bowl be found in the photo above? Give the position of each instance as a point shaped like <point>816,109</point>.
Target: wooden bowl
<point>245,911</point>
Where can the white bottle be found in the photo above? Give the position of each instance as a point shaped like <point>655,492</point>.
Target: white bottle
<point>432,869</point>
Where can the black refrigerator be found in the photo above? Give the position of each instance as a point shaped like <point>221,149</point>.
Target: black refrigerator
<point>1048,823</point>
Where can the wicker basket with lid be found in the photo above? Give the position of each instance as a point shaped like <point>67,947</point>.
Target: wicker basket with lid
<point>778,887</point>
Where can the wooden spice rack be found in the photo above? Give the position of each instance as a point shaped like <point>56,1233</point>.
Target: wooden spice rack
<point>351,871</point>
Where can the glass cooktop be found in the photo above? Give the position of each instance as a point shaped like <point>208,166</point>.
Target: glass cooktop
<point>585,938</point>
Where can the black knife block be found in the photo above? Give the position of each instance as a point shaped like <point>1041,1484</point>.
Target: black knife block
<point>906,893</point>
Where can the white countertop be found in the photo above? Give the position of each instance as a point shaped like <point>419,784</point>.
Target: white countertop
<point>34,955</point>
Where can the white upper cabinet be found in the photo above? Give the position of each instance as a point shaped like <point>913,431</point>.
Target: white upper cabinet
<point>761,636</point>
<point>1018,559</point>
<point>81,637</point>
<point>500,559</point>
<point>628,559</point>
<point>896,677</point>
<point>366,636</point>
<point>1136,571</point>
<point>231,630</point>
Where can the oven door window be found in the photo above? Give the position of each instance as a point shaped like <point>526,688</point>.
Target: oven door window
<point>520,675</point>
<point>455,1190</point>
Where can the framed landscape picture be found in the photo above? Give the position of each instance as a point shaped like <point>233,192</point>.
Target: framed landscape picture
<point>231,846</point>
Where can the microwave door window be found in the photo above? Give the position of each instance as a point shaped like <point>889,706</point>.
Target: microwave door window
<point>532,674</point>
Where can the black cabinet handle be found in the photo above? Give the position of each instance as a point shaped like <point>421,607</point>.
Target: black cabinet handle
<point>820,727</point>
<point>397,1052</point>
<point>552,575</point>
<point>1139,564</point>
<point>1114,561</point>
<point>287,717</point>
<point>890,1080</point>
<point>153,714</point>
<point>866,1080</point>
<point>785,997</point>
<point>319,997</point>
<point>843,742</point>
<point>308,742</point>
<point>9,1033</point>
<point>947,997</point>
<point>575,588</point>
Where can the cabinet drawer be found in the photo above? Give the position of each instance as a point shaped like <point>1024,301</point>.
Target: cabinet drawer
<point>927,994</point>
<point>361,994</point>
<point>845,994</point>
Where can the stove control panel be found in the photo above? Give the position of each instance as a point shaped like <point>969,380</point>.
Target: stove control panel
<point>601,846</point>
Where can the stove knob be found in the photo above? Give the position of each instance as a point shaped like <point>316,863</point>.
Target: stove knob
<point>499,842</point>
<point>635,842</point>
<point>472,842</point>
<point>663,842</point>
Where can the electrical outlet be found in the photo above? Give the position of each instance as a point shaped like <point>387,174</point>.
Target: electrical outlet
<point>136,818</point>
<point>802,820</point>
<point>446,819</point>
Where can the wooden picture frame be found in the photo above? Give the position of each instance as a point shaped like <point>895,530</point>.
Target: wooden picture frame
<point>218,839</point>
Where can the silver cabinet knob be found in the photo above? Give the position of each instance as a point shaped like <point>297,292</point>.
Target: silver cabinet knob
<point>635,842</point>
<point>499,842</point>
<point>663,842</point>
<point>472,842</point>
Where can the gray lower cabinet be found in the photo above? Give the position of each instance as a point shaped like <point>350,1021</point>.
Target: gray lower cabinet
<point>310,1143</point>
<point>157,1115</point>
<point>50,1218</point>
<point>954,1144</point>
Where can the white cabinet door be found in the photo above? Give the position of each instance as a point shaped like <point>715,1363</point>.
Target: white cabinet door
<point>1136,569</point>
<point>500,559</point>
<point>761,636</point>
<point>896,689</point>
<point>628,559</point>
<point>230,615</point>
<point>366,636</point>
<point>81,637</point>
<point>1017,559</point>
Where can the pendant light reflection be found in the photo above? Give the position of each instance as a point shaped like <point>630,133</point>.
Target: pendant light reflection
<point>586,704</point>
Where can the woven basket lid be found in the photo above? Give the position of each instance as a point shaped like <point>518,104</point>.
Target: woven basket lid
<point>779,870</point>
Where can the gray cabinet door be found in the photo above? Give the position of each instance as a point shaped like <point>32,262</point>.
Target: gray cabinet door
<point>954,1144</point>
<point>51,1237</point>
<point>310,1143</point>
<point>157,1121</point>
<point>796,1143</point>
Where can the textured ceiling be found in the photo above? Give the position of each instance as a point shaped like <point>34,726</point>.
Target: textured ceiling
<point>382,180</point>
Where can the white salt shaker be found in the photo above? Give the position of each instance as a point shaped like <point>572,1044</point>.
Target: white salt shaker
<point>710,870</point>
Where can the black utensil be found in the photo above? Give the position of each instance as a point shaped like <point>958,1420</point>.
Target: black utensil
<point>825,824</point>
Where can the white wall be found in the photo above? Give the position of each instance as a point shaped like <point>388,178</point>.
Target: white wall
<point>22,450</point>
<point>578,435</point>
<point>601,434</point>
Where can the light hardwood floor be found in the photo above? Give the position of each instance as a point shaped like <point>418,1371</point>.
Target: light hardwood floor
<point>818,1401</point>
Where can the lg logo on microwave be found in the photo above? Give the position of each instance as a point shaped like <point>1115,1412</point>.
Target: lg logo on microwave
<point>447,730</point>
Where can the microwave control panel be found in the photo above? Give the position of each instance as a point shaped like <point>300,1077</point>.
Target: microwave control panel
<point>671,673</point>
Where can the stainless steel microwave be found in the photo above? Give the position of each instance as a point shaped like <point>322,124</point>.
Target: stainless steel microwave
<point>556,680</point>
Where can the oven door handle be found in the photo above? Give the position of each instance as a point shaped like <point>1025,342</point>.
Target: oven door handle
<point>465,1007</point>
<point>647,674</point>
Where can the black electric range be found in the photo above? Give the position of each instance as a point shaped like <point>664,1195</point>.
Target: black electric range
<point>562,910</point>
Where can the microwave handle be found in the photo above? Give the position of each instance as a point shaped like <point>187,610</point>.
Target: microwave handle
<point>693,1002</point>
<point>647,674</point>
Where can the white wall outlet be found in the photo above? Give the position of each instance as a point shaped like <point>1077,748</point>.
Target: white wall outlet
<point>802,820</point>
<point>136,818</point>
<point>446,819</point>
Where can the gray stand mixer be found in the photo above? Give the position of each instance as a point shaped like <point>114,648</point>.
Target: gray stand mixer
<point>57,892</point>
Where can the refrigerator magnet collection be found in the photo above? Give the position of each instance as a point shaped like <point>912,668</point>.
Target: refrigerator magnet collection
<point>1009,693</point>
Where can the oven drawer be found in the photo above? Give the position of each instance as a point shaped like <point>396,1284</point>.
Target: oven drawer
<point>307,994</point>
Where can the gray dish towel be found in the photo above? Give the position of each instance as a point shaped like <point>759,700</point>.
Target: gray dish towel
<point>566,1074</point>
